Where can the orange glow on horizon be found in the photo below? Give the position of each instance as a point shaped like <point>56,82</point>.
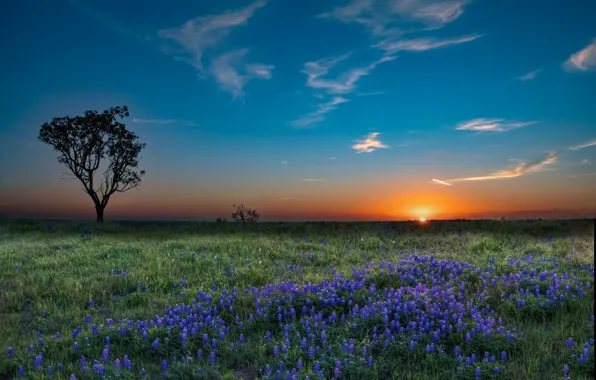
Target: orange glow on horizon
<point>422,219</point>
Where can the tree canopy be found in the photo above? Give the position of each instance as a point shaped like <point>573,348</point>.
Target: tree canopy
<point>85,141</point>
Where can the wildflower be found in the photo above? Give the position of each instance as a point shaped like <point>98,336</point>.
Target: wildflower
<point>478,372</point>
<point>164,366</point>
<point>57,336</point>
<point>10,351</point>
<point>503,356</point>
<point>565,369</point>
<point>212,357</point>
<point>21,371</point>
<point>570,343</point>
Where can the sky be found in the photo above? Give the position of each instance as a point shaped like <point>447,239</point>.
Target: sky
<point>309,110</point>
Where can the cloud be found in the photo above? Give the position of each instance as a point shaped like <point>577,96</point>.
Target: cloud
<point>422,44</point>
<point>284,162</point>
<point>585,161</point>
<point>313,179</point>
<point>518,171</point>
<point>342,84</point>
<point>165,121</point>
<point>332,158</point>
<point>529,76</point>
<point>200,34</point>
<point>369,144</point>
<point>583,60</point>
<point>232,74</point>
<point>441,182</point>
<point>582,146</point>
<point>319,114</point>
<point>380,17</point>
<point>491,125</point>
<point>386,21</point>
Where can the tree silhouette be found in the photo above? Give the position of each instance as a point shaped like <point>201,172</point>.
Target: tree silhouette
<point>84,141</point>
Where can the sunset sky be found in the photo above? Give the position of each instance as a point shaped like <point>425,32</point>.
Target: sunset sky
<point>309,110</point>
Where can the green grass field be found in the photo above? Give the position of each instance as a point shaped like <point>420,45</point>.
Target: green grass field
<point>328,300</point>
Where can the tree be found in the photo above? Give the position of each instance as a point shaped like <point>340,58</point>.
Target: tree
<point>245,215</point>
<point>84,141</point>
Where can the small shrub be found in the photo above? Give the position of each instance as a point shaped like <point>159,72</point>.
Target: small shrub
<point>245,215</point>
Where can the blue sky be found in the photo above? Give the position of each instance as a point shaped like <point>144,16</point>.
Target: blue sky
<point>322,106</point>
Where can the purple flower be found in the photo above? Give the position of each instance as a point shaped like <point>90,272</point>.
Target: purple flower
<point>143,373</point>
<point>212,357</point>
<point>9,351</point>
<point>106,354</point>
<point>570,343</point>
<point>370,361</point>
<point>21,371</point>
<point>503,356</point>
<point>565,369</point>
<point>164,366</point>
<point>478,372</point>
<point>58,336</point>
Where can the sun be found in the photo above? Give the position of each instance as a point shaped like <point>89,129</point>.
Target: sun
<point>422,219</point>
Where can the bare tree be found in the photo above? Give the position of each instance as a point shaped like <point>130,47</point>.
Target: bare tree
<point>84,141</point>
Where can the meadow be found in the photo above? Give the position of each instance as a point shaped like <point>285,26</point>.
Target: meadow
<point>396,300</point>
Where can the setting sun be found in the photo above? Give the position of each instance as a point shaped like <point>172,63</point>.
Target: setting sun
<point>422,219</point>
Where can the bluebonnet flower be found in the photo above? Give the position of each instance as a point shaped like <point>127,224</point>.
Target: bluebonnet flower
<point>10,351</point>
<point>212,357</point>
<point>164,366</point>
<point>570,343</point>
<point>21,370</point>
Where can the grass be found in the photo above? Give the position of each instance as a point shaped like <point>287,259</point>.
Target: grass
<point>49,272</point>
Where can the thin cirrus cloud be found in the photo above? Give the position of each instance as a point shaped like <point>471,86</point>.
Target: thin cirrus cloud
<point>422,44</point>
<point>198,35</point>
<point>521,169</point>
<point>313,179</point>
<point>369,144</point>
<point>583,60</point>
<point>329,89</point>
<point>232,74</point>
<point>518,171</point>
<point>386,21</point>
<point>165,121</point>
<point>582,146</point>
<point>529,76</point>
<point>492,125</point>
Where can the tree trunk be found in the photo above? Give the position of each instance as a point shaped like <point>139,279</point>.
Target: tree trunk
<point>99,211</point>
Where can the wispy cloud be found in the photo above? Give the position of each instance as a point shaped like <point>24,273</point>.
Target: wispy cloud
<point>583,60</point>
<point>165,121</point>
<point>369,144</point>
<point>441,182</point>
<point>585,161</point>
<point>521,169</point>
<point>232,74</point>
<point>583,145</point>
<point>342,84</point>
<point>387,21</point>
<point>422,44</point>
<point>207,32</point>
<point>332,158</point>
<point>492,125</point>
<point>313,179</point>
<point>284,162</point>
<point>529,76</point>
<point>518,171</point>
<point>395,17</point>
<point>319,114</point>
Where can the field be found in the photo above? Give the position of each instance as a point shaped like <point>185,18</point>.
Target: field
<point>399,300</point>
